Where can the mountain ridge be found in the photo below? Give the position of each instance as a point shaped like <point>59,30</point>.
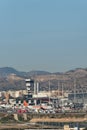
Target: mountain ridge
<point>10,70</point>
<point>12,79</point>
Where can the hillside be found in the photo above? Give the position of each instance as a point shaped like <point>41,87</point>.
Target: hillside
<point>14,80</point>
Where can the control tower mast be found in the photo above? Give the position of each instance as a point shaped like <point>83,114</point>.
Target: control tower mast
<point>29,85</point>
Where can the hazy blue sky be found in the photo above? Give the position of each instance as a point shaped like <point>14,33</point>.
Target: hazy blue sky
<point>43,34</point>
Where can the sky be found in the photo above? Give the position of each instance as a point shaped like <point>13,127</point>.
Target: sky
<point>48,35</point>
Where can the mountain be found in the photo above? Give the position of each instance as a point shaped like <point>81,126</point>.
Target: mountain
<point>39,72</point>
<point>13,79</point>
<point>5,71</point>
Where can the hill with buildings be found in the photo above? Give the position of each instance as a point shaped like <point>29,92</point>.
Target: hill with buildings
<point>15,80</point>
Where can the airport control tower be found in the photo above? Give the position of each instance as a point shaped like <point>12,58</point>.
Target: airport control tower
<point>29,85</point>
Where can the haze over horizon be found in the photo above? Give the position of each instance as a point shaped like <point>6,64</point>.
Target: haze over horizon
<point>48,35</point>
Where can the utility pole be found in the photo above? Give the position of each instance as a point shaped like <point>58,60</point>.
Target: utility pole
<point>58,95</point>
<point>62,96</point>
<point>83,94</point>
<point>58,89</point>
<point>49,91</point>
<point>74,90</point>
